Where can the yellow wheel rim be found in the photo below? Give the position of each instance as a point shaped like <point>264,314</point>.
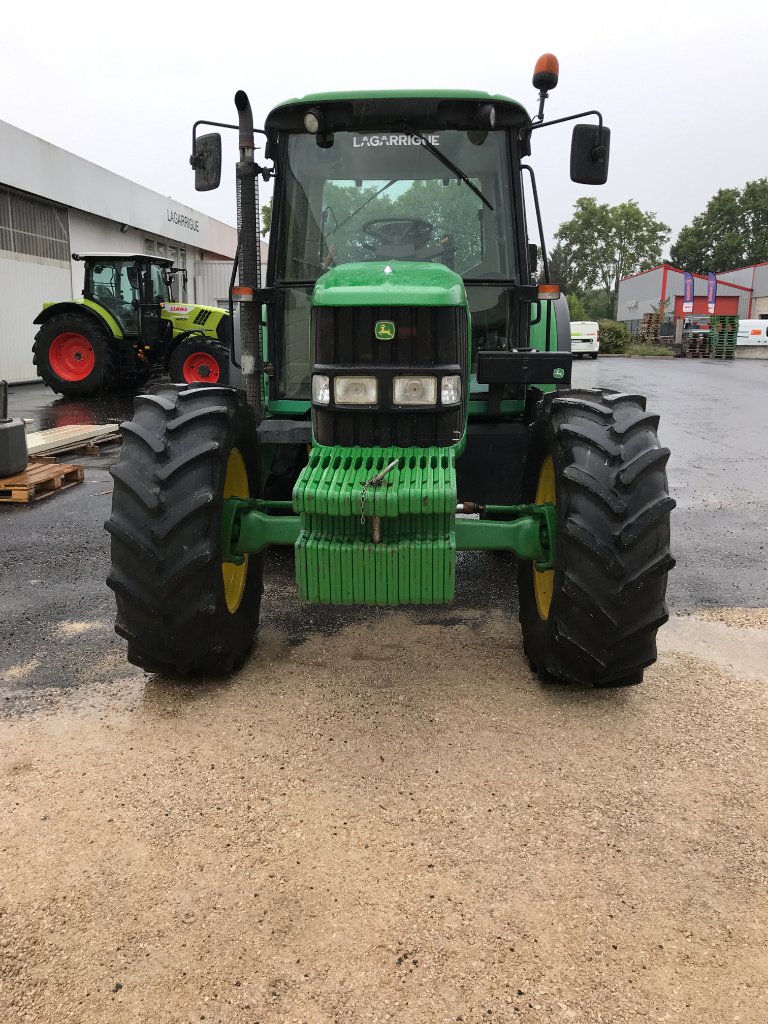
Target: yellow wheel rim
<point>543,582</point>
<point>235,486</point>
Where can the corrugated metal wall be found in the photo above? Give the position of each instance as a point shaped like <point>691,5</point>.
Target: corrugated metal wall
<point>33,227</point>
<point>211,282</point>
<point>638,295</point>
<point>211,279</point>
<point>26,283</point>
<point>34,267</point>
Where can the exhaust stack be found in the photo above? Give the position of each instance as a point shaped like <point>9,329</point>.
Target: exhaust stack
<point>249,256</point>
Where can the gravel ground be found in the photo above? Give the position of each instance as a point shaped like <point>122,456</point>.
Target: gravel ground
<point>340,834</point>
<point>385,816</point>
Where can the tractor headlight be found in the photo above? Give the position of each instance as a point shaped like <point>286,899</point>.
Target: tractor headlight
<point>355,391</point>
<point>450,390</point>
<point>321,389</point>
<point>313,120</point>
<point>414,390</point>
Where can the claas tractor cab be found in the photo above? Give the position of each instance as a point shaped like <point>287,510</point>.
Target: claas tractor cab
<point>407,397</point>
<point>128,326</point>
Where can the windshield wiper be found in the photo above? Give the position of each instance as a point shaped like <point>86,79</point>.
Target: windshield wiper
<point>447,162</point>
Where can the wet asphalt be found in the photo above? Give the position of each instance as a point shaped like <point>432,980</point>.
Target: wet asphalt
<point>56,611</point>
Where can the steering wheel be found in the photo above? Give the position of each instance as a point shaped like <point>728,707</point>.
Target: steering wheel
<point>399,231</point>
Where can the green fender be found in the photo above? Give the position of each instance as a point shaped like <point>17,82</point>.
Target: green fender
<point>99,313</point>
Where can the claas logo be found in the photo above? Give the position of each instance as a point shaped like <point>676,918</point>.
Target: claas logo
<point>384,330</point>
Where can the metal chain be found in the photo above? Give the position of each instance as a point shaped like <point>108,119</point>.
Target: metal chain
<point>375,481</point>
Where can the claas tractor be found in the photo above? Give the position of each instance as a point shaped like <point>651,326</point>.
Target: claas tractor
<point>128,326</point>
<point>407,397</point>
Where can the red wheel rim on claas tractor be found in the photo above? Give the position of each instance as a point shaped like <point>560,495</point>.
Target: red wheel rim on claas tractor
<point>71,356</point>
<point>200,368</point>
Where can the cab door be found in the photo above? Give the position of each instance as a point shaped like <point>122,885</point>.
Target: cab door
<point>154,292</point>
<point>114,285</point>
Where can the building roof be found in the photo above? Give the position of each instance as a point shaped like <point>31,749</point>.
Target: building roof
<point>39,168</point>
<point>677,270</point>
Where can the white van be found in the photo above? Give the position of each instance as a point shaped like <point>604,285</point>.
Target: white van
<point>752,332</point>
<point>585,337</point>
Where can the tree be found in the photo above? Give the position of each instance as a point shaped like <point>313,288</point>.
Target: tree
<point>266,218</point>
<point>561,271</point>
<point>731,232</point>
<point>576,309</point>
<point>598,305</point>
<point>602,243</point>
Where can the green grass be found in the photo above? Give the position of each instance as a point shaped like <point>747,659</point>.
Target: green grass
<point>636,349</point>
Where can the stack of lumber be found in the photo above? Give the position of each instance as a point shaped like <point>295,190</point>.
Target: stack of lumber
<point>71,437</point>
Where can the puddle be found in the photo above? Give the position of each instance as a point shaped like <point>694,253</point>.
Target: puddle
<point>718,636</point>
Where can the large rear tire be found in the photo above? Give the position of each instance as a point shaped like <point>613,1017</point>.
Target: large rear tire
<point>592,620</point>
<point>74,355</point>
<point>180,607</point>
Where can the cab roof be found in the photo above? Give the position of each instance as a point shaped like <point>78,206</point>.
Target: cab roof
<point>121,256</point>
<point>439,108</point>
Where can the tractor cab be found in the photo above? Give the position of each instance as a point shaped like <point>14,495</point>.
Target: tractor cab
<point>431,180</point>
<point>132,288</point>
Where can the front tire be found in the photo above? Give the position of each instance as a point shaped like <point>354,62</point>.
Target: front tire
<point>199,360</point>
<point>592,620</point>
<point>74,356</point>
<point>180,607</point>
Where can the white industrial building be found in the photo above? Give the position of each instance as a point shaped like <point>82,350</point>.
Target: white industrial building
<point>53,203</point>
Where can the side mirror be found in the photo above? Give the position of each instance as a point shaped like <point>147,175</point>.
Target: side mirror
<point>589,154</point>
<point>206,161</point>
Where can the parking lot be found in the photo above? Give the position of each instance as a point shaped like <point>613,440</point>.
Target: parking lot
<point>384,815</point>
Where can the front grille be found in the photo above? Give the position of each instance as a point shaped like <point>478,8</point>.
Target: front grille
<point>425,337</point>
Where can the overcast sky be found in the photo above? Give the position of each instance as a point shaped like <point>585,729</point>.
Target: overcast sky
<point>680,84</point>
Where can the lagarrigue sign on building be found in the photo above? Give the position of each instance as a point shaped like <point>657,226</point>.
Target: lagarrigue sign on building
<point>183,221</point>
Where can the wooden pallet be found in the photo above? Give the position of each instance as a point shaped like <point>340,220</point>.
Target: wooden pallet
<point>39,480</point>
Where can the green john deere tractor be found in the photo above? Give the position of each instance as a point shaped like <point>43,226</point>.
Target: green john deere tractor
<point>407,398</point>
<point>128,326</point>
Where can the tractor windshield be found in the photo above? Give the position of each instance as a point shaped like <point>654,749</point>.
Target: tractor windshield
<point>386,196</point>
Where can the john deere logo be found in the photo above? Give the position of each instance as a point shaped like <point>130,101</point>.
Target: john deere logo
<point>384,330</point>
<point>558,373</point>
